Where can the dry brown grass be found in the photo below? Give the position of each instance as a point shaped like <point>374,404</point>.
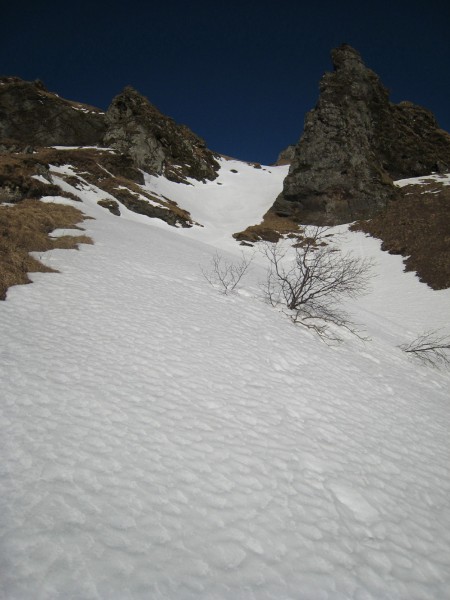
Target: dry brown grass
<point>112,173</point>
<point>116,175</point>
<point>271,229</point>
<point>25,228</point>
<point>417,226</point>
<point>132,196</point>
<point>17,181</point>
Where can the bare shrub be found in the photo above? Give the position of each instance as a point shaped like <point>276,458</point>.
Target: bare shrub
<point>431,348</point>
<point>225,274</point>
<point>312,285</point>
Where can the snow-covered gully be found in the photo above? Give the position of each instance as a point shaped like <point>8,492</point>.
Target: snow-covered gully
<point>163,441</point>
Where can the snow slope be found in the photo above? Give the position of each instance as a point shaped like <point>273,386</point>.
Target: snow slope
<point>160,440</point>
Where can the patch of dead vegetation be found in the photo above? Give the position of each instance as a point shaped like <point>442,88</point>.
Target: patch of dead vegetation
<point>94,162</point>
<point>416,225</point>
<point>24,228</point>
<point>142,202</point>
<point>110,205</point>
<point>271,229</point>
<point>18,178</point>
<point>112,173</point>
<point>116,175</point>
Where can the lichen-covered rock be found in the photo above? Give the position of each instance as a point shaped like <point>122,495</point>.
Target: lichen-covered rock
<point>335,176</point>
<point>355,142</point>
<point>155,142</point>
<point>30,114</point>
<point>410,142</point>
<point>286,156</point>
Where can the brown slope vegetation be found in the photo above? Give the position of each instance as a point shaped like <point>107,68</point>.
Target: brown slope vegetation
<point>26,176</point>
<point>17,178</point>
<point>417,226</point>
<point>271,229</point>
<point>111,172</point>
<point>25,228</point>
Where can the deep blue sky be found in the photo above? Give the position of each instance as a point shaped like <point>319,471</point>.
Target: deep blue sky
<point>240,74</point>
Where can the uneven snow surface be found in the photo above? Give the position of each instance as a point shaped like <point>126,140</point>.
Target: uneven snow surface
<point>161,440</point>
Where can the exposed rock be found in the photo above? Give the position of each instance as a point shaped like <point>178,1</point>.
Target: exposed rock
<point>286,156</point>
<point>155,142</point>
<point>31,119</point>
<point>335,176</point>
<point>410,143</point>
<point>110,205</point>
<point>31,115</point>
<point>354,143</point>
<point>25,176</point>
<point>144,203</point>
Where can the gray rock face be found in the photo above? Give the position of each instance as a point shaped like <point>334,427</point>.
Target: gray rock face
<point>29,114</point>
<point>335,176</point>
<point>354,143</point>
<point>410,142</point>
<point>286,156</point>
<point>155,142</point>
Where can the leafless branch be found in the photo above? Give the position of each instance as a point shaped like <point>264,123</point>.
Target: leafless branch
<point>432,348</point>
<point>312,285</point>
<point>224,274</point>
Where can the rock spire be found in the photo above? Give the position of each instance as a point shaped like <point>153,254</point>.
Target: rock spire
<point>354,143</point>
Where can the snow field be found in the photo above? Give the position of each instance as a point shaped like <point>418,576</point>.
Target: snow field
<point>161,440</point>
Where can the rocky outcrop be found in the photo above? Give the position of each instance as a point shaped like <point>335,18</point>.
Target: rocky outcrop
<point>409,142</point>
<point>31,115</point>
<point>32,119</point>
<point>286,156</point>
<point>354,143</point>
<point>335,176</point>
<point>155,142</point>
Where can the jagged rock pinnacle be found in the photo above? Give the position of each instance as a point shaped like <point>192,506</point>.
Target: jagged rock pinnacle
<point>346,57</point>
<point>354,143</point>
<point>155,142</point>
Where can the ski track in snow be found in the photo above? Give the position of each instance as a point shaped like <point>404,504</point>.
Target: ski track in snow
<point>160,440</point>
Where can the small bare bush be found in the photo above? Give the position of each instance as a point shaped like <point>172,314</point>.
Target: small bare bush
<point>225,274</point>
<point>312,285</point>
<point>431,348</point>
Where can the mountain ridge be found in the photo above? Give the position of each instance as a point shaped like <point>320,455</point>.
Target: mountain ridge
<point>342,170</point>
